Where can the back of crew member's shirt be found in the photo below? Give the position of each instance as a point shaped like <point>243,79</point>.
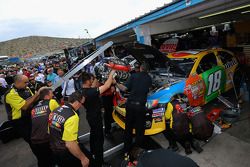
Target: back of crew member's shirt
<point>39,117</point>
<point>63,126</point>
<point>92,102</point>
<point>138,85</point>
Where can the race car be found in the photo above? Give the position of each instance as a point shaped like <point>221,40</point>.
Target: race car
<point>194,76</point>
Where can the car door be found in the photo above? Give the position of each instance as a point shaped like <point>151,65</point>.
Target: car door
<point>213,75</point>
<point>230,64</point>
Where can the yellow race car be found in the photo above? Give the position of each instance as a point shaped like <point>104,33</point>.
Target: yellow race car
<point>195,76</point>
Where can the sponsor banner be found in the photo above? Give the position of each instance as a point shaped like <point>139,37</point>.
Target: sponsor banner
<point>170,45</point>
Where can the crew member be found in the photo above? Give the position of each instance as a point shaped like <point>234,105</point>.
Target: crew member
<point>138,85</point>
<point>39,134</point>
<point>63,128</point>
<point>107,100</point>
<point>19,101</point>
<point>94,115</point>
<point>177,127</point>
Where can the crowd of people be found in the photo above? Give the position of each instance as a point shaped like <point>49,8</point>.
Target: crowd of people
<point>35,111</point>
<point>49,120</point>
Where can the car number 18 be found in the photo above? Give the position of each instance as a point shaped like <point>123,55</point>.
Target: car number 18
<point>214,81</point>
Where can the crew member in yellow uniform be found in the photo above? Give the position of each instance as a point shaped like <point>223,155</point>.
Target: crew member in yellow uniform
<point>177,128</point>
<point>183,127</point>
<point>19,101</point>
<point>63,128</point>
<point>39,134</point>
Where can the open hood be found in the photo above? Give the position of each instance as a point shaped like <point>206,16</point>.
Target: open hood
<point>152,56</point>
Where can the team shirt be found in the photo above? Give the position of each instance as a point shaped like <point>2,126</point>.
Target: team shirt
<point>15,100</point>
<point>39,117</point>
<point>63,126</point>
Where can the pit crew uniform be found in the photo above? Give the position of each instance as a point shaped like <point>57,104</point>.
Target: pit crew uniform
<point>177,127</point>
<point>14,101</point>
<point>138,85</point>
<point>63,126</point>
<point>94,118</point>
<point>107,99</point>
<point>39,134</point>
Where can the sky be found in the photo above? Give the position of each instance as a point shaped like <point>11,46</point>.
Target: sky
<point>68,18</point>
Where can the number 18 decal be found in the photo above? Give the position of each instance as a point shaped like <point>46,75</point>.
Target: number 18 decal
<point>214,80</point>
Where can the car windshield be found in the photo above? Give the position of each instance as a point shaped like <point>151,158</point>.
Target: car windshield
<point>185,65</point>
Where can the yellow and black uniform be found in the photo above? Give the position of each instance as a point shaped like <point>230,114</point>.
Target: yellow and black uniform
<point>15,99</point>
<point>39,117</point>
<point>63,126</point>
<point>185,123</point>
<point>39,134</point>
<point>179,122</point>
<point>177,127</point>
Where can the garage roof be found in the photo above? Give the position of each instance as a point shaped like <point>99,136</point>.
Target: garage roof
<point>180,16</point>
<point>153,15</point>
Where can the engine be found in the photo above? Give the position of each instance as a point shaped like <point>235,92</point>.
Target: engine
<point>103,68</point>
<point>161,78</point>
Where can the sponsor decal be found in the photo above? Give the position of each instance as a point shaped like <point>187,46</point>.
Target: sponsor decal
<point>159,119</point>
<point>159,110</point>
<point>56,120</point>
<point>154,115</point>
<point>39,111</point>
<point>230,63</point>
<point>169,45</point>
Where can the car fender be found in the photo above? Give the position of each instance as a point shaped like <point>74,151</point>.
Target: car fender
<point>164,96</point>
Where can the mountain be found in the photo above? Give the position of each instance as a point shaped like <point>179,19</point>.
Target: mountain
<point>34,45</point>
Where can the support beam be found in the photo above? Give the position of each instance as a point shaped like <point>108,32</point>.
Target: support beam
<point>113,150</point>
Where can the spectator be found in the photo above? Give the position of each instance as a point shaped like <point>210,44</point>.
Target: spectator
<point>51,76</point>
<point>68,88</point>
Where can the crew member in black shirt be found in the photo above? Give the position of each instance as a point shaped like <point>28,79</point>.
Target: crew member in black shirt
<point>138,85</point>
<point>94,115</point>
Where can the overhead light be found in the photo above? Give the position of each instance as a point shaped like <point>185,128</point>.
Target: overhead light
<point>198,28</point>
<point>247,11</point>
<point>224,11</point>
<point>226,22</point>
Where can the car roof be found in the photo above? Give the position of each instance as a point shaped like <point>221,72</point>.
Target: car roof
<point>195,53</point>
